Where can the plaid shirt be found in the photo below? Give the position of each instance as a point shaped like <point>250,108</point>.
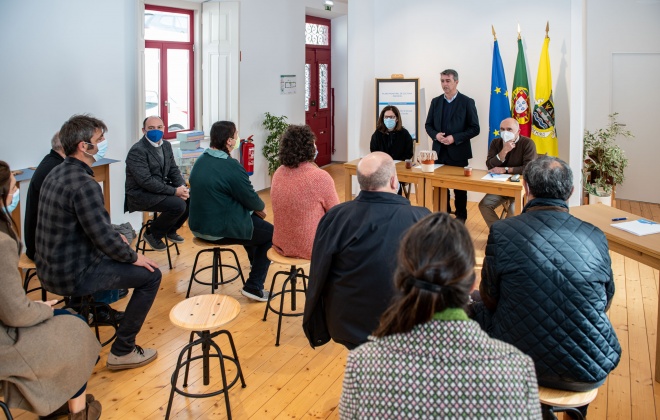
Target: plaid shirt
<point>73,228</point>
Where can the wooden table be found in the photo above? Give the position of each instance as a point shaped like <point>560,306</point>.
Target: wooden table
<point>412,176</point>
<point>644,249</point>
<point>101,174</point>
<point>452,177</point>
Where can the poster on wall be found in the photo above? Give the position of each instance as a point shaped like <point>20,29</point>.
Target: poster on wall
<point>403,94</point>
<point>287,84</point>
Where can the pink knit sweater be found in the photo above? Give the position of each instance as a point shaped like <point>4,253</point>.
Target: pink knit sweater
<point>300,197</point>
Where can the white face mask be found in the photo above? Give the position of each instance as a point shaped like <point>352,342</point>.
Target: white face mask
<point>507,136</point>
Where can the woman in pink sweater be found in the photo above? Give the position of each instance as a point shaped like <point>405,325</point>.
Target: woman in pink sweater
<point>301,193</point>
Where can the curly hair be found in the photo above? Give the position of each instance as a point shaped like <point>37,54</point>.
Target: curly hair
<point>435,271</point>
<point>380,125</point>
<point>297,146</point>
<point>221,132</point>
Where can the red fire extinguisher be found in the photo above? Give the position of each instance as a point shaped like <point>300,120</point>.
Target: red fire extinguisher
<point>247,155</point>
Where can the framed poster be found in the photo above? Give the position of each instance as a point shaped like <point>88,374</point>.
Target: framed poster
<point>403,94</point>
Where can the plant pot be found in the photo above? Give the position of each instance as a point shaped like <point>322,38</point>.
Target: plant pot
<point>606,199</point>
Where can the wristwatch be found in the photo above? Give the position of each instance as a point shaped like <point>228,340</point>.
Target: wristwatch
<point>506,169</point>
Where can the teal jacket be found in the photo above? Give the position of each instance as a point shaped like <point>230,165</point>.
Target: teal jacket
<point>222,198</point>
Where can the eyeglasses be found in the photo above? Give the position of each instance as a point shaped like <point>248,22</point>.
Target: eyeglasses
<point>387,117</point>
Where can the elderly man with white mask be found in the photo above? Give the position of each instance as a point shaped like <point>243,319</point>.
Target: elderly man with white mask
<point>507,154</point>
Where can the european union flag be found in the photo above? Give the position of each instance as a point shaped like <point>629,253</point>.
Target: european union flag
<point>499,96</point>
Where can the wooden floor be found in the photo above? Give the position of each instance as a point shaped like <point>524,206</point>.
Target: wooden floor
<point>293,381</point>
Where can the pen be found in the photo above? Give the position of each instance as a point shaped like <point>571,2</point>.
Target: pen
<point>491,174</point>
<point>616,219</point>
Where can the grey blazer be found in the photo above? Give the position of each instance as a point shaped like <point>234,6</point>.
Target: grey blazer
<point>147,179</point>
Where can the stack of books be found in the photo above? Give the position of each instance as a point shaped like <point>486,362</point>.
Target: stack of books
<point>189,140</point>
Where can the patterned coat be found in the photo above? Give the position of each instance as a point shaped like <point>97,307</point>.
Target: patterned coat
<point>441,369</point>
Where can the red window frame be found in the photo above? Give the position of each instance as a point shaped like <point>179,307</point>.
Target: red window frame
<point>163,46</point>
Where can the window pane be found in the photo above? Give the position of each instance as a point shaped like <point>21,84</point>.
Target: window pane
<point>178,95</point>
<point>152,81</point>
<point>316,34</point>
<point>308,88</point>
<point>166,26</point>
<point>323,86</point>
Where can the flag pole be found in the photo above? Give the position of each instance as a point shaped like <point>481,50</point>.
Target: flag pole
<point>547,29</point>
<point>493,29</point>
<point>519,31</point>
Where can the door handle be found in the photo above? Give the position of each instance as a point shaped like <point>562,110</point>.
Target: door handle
<point>314,115</point>
<point>321,132</point>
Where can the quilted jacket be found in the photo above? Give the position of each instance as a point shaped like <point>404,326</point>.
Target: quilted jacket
<point>551,278</point>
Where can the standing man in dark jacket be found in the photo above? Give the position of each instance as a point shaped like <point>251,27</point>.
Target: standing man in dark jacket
<point>547,282</point>
<point>451,123</point>
<point>354,257</point>
<point>154,183</point>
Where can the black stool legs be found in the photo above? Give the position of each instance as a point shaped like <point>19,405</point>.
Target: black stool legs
<point>5,409</point>
<point>206,341</point>
<point>292,277</point>
<point>141,244</point>
<point>216,268</point>
<point>87,307</point>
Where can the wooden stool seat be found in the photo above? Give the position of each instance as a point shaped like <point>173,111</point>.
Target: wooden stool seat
<point>200,315</point>
<point>558,400</point>
<point>205,312</point>
<point>26,263</point>
<point>292,275</point>
<point>216,267</point>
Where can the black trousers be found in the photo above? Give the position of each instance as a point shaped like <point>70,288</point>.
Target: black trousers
<point>173,214</point>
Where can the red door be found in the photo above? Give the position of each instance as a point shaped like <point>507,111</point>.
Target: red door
<point>318,99</point>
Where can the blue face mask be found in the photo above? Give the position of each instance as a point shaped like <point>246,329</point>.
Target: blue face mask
<point>103,147</point>
<point>389,123</point>
<point>154,135</point>
<point>14,202</point>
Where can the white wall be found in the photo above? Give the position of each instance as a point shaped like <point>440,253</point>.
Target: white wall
<point>339,57</point>
<point>627,33</point>
<point>64,58</point>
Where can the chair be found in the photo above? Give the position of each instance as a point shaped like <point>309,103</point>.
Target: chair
<point>292,276</point>
<point>216,267</point>
<point>141,244</point>
<point>88,309</point>
<point>505,209</point>
<point>558,400</point>
<point>26,264</point>
<point>201,315</point>
<point>5,409</point>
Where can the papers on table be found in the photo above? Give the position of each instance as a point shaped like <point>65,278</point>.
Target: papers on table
<point>418,167</point>
<point>639,227</point>
<point>496,177</point>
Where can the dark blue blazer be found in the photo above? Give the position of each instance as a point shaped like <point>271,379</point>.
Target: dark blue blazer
<point>463,124</point>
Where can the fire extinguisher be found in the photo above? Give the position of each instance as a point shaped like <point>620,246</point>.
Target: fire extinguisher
<point>247,155</point>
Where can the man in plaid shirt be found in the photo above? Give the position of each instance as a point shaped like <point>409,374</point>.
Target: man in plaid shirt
<point>77,250</point>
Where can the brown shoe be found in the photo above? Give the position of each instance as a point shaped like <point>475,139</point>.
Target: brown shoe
<point>92,411</point>
<point>64,410</point>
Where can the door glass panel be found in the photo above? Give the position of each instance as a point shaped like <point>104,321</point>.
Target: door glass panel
<point>152,81</point>
<point>316,34</point>
<point>323,86</point>
<point>166,26</point>
<point>178,95</point>
<point>308,87</point>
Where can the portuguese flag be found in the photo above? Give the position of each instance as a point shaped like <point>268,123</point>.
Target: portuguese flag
<point>520,109</point>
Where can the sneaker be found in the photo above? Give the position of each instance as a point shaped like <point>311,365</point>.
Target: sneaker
<point>175,237</point>
<point>92,411</point>
<point>138,357</point>
<point>64,409</point>
<point>261,296</point>
<point>155,244</point>
<point>122,294</point>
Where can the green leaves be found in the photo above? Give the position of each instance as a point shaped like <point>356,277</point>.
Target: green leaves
<point>603,158</point>
<point>275,126</point>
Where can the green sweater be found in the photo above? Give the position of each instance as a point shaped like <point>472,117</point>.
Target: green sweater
<point>221,197</point>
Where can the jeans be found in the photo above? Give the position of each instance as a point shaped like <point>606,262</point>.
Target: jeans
<point>173,214</point>
<point>256,248</point>
<point>109,274</point>
<point>490,202</point>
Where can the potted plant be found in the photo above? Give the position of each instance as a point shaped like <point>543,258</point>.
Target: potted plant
<point>604,160</point>
<point>276,127</point>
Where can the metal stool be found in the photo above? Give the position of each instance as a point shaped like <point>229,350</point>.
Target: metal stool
<point>292,277</point>
<point>5,409</point>
<point>87,307</point>
<point>141,244</point>
<point>201,315</point>
<point>216,267</point>
<point>559,400</point>
<point>25,263</point>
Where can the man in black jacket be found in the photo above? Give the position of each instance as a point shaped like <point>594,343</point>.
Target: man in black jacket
<point>547,282</point>
<point>451,123</point>
<point>354,257</point>
<point>154,183</point>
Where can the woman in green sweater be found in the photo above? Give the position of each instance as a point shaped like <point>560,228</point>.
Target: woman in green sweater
<point>225,209</point>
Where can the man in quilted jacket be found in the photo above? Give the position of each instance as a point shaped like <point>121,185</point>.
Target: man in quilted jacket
<point>547,283</point>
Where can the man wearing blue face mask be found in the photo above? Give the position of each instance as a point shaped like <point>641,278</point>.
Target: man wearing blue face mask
<point>154,183</point>
<point>78,252</point>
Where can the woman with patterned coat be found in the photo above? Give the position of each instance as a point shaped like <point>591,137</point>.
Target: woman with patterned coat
<point>427,359</point>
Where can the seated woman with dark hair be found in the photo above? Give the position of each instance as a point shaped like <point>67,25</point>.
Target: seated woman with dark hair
<point>45,359</point>
<point>301,193</point>
<point>390,136</point>
<point>427,359</point>
<point>225,209</point>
